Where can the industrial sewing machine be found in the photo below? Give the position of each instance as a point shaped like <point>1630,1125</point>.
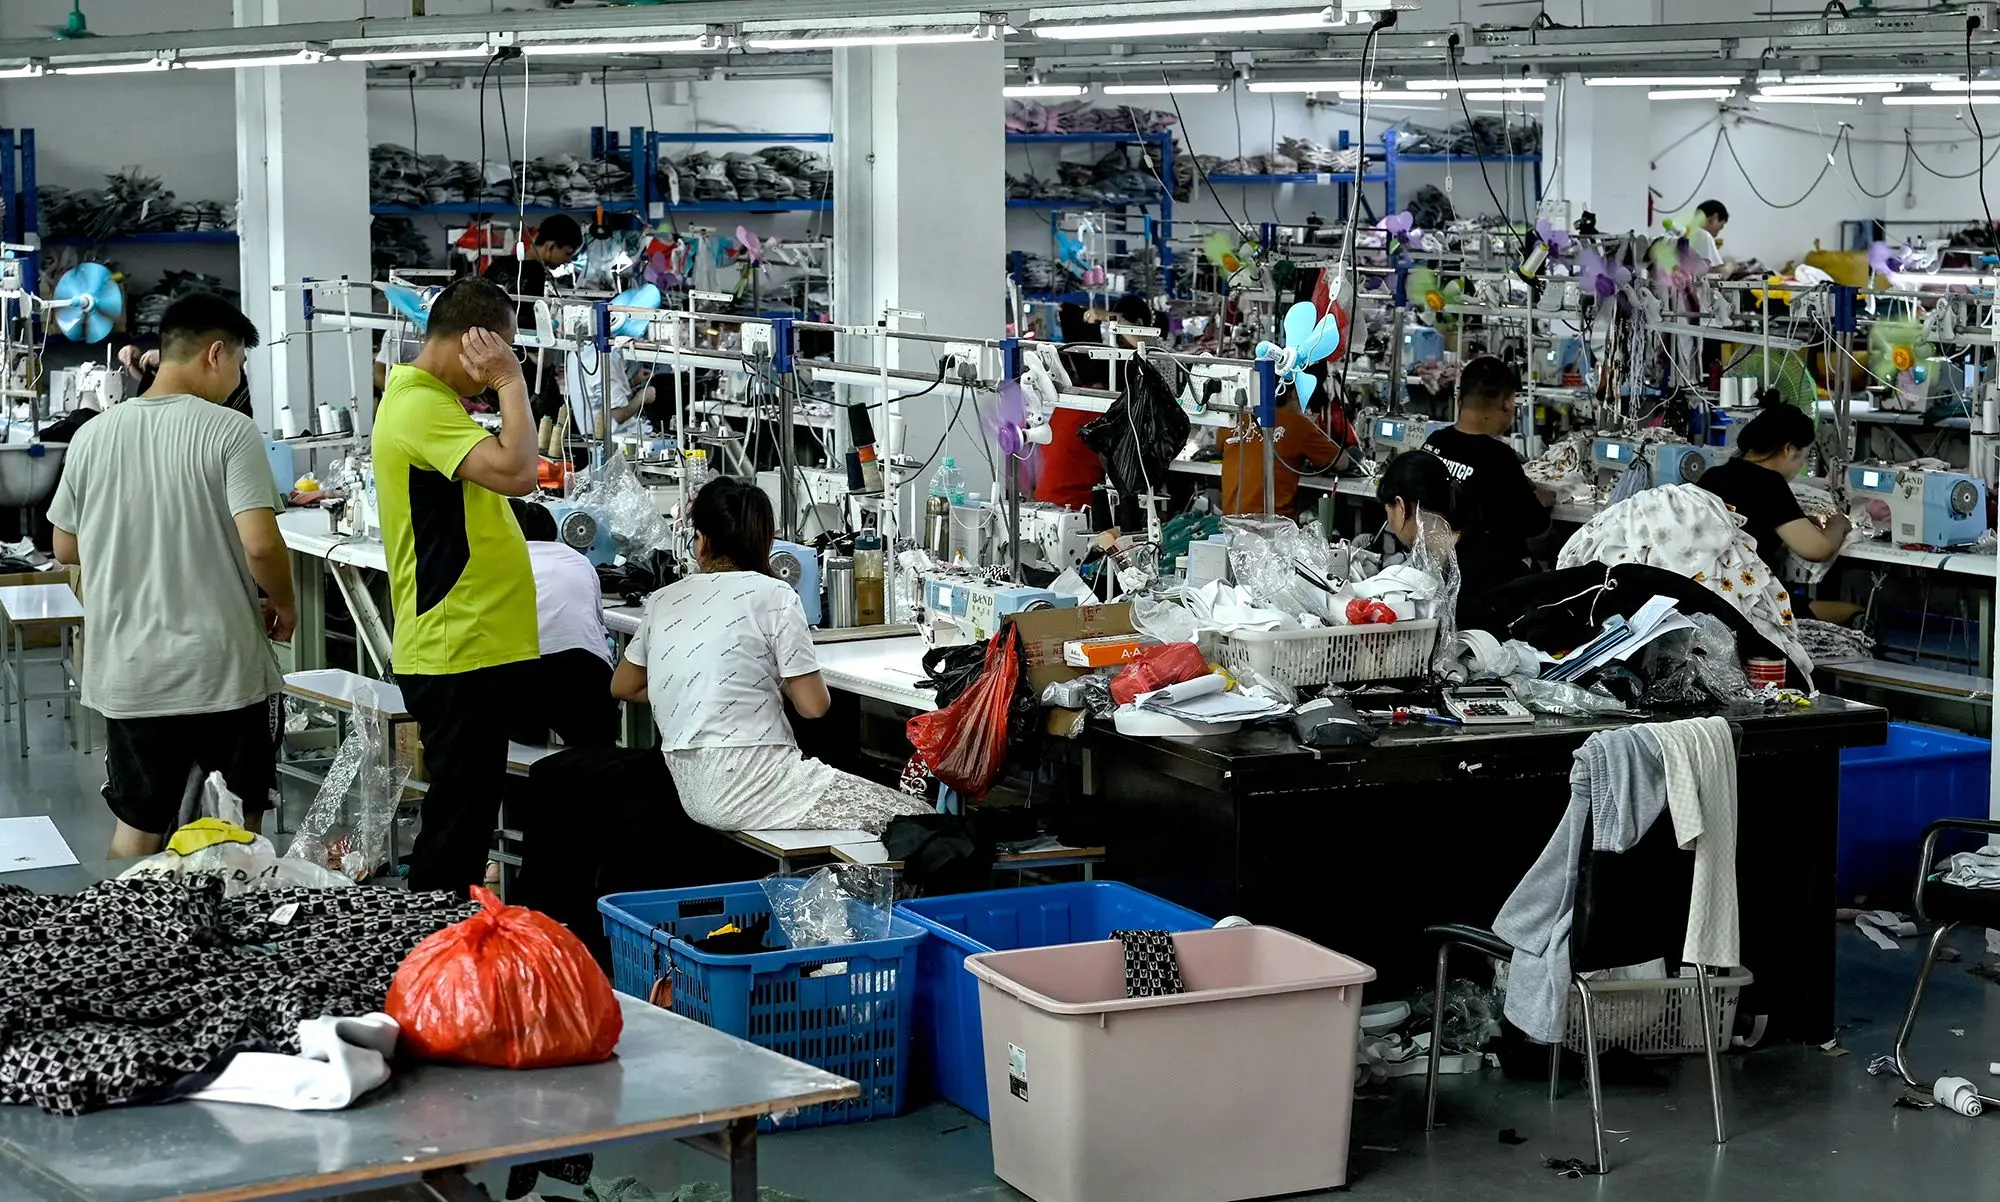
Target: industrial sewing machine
<point>584,529</point>
<point>959,609</point>
<point>1669,462</point>
<point>799,567</point>
<point>1052,538</point>
<point>89,386</point>
<point>1929,508</point>
<point>1389,437</point>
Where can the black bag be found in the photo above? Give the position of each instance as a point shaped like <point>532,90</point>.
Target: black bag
<point>1142,432</point>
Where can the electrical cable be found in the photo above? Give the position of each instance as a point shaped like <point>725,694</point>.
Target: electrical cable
<point>1908,153</point>
<point>1451,64</point>
<point>480,200</point>
<point>1348,234</point>
<point>1979,132</point>
<point>1194,158</point>
<point>1826,165</point>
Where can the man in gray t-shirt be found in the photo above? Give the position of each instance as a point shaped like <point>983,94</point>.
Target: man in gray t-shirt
<point>168,505</point>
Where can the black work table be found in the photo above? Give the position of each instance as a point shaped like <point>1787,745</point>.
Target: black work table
<point>1361,848</point>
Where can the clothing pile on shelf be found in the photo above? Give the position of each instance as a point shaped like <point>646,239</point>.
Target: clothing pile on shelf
<point>1114,178</point>
<point>131,202</point>
<point>399,176</point>
<point>564,181</point>
<point>147,310</point>
<point>137,991</point>
<point>1485,135</point>
<point>397,242</point>
<point>1082,117</point>
<point>773,173</point>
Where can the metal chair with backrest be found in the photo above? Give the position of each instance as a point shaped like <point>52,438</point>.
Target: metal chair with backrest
<point>1618,920</point>
<point>1948,905</point>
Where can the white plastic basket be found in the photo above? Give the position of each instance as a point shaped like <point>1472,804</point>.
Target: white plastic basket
<point>1659,1017</point>
<point>1332,654</point>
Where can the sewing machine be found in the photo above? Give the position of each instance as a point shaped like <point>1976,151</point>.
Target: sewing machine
<point>1928,508</point>
<point>584,529</point>
<point>90,386</point>
<point>1682,463</point>
<point>988,605</point>
<point>1052,538</point>
<point>1389,437</point>
<point>799,567</point>
<point>1554,359</point>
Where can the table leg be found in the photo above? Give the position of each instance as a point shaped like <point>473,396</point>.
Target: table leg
<point>736,1145</point>
<point>20,641</point>
<point>309,588</point>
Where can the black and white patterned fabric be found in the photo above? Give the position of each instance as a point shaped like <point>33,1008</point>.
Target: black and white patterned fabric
<point>115,994</point>
<point>1152,967</point>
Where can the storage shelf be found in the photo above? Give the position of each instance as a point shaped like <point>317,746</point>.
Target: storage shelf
<point>735,136</point>
<point>748,206</point>
<point>1079,202</point>
<point>180,237</point>
<point>1497,160</point>
<point>1300,177</point>
<point>467,208</point>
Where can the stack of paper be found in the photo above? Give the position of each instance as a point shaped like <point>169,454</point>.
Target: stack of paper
<point>1203,699</point>
<point>1620,638</point>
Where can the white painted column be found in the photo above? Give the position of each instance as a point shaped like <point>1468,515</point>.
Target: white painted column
<point>1604,139</point>
<point>302,209</point>
<point>920,214</point>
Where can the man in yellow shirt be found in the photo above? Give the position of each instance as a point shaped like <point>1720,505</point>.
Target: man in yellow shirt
<point>459,572</point>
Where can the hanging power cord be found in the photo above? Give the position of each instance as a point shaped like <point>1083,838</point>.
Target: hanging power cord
<point>1181,123</point>
<point>1457,89</point>
<point>1826,165</point>
<point>1972,110</point>
<point>1348,234</point>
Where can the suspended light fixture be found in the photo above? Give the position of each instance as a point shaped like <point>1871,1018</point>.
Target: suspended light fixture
<point>1878,88</point>
<point>403,54</point>
<point>1941,101</point>
<point>1161,89</point>
<point>1692,94</point>
<point>1460,85</point>
<point>1043,89</point>
<point>1314,85</point>
<point>670,46</point>
<point>156,63</point>
<point>834,40</point>
<point>294,59</point>
<point>1660,81</point>
<point>1320,18</point>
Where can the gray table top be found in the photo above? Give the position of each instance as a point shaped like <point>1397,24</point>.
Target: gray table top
<point>671,1076</point>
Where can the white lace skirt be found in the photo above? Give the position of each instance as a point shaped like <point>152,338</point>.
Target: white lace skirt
<point>778,788</point>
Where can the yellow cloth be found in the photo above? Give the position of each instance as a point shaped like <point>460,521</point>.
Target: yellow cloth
<point>458,566</point>
<point>206,832</point>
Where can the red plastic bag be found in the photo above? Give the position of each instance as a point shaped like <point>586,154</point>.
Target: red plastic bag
<point>1156,668</point>
<point>965,743</point>
<point>506,988</point>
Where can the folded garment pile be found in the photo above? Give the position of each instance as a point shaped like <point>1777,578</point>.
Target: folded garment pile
<point>399,176</point>
<point>1294,156</point>
<point>1484,135</point>
<point>773,173</point>
<point>397,242</point>
<point>1083,117</point>
<point>131,202</point>
<point>147,310</point>
<point>1114,178</point>
<point>138,991</point>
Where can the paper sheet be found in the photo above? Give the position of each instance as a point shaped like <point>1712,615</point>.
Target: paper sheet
<point>32,843</point>
<point>789,841</point>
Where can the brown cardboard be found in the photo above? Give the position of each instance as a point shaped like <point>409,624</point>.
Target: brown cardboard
<point>43,636</point>
<point>1044,631</point>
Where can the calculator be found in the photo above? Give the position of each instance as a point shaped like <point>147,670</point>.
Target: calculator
<point>1486,705</point>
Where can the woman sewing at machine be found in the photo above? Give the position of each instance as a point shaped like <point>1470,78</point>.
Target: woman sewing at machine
<point>1757,485</point>
<point>722,651</point>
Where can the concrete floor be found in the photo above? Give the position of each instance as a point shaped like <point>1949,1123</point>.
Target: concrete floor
<point>1805,1126</point>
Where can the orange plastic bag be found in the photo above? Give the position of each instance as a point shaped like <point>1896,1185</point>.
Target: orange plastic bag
<point>1156,668</point>
<point>506,988</point>
<point>965,743</point>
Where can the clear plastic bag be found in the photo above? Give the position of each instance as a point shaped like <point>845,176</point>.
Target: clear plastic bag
<point>832,905</point>
<point>348,826</point>
<point>1694,667</point>
<point>614,491</point>
<point>1162,621</point>
<point>1561,697</point>
<point>1436,555</point>
<point>213,842</point>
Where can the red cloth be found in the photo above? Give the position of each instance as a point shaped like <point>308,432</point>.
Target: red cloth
<point>1068,468</point>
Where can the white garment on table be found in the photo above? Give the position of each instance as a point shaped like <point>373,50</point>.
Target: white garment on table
<point>1700,761</point>
<point>339,1060</point>
<point>586,375</point>
<point>1688,530</point>
<point>717,649</point>
<point>569,603</point>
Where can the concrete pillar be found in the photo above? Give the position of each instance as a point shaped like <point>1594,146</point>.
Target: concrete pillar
<point>303,211</point>
<point>1603,137</point>
<point>920,214</point>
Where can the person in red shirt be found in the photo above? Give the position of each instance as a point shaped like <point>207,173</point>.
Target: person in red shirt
<point>1068,470</point>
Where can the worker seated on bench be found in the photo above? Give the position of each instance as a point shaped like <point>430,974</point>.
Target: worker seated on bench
<point>719,653</point>
<point>572,693</point>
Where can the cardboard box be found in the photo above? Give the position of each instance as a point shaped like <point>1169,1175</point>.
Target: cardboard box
<point>1044,631</point>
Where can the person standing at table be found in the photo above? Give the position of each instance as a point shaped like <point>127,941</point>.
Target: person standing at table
<point>168,505</point>
<point>459,572</point>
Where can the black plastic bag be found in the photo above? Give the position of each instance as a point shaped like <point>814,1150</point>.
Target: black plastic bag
<point>951,670</point>
<point>1142,432</point>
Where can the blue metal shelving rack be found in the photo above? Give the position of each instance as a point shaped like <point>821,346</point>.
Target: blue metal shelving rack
<point>1162,146</point>
<point>656,206</point>
<point>23,206</point>
<point>1391,165</point>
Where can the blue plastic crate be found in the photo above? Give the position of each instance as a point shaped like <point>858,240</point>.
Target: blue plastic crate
<point>855,1023</point>
<point>1890,793</point>
<point>949,1045</point>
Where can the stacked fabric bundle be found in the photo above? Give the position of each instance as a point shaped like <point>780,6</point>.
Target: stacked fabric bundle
<point>131,202</point>
<point>1116,178</point>
<point>397,242</point>
<point>773,173</point>
<point>1485,135</point>
<point>398,176</point>
<point>1082,117</point>
<point>567,182</point>
<point>147,310</point>
<point>122,993</point>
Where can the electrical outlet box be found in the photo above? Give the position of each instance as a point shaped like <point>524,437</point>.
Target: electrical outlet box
<point>757,339</point>
<point>982,361</point>
<point>1239,385</point>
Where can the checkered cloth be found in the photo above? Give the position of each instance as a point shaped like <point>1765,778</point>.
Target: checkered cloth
<point>1152,966</point>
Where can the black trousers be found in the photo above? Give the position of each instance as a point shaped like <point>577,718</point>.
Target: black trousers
<point>607,820</point>
<point>462,720</point>
<point>571,695</point>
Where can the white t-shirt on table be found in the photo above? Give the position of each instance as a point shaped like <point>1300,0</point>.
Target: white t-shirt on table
<point>569,603</point>
<point>717,649</point>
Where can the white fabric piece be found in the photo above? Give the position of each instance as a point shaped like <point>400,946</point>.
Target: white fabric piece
<point>1686,529</point>
<point>1219,606</point>
<point>1700,761</point>
<point>1401,581</point>
<point>1818,502</point>
<point>717,649</point>
<point>339,1060</point>
<point>778,788</point>
<point>569,603</point>
<point>1973,869</point>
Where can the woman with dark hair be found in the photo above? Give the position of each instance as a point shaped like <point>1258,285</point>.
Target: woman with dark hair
<point>717,656</point>
<point>1756,484</point>
<point>1418,483</point>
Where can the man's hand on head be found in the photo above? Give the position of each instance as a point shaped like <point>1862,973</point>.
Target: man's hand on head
<point>489,360</point>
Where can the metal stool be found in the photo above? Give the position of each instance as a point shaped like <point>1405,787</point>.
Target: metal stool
<point>28,607</point>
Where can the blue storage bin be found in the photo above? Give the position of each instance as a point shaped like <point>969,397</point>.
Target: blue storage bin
<point>1890,793</point>
<point>855,1023</point>
<point>948,1040</point>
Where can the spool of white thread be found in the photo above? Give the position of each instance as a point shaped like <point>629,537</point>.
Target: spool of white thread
<point>1959,1095</point>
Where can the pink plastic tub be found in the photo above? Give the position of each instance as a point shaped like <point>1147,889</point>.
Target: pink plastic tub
<point>1242,1087</point>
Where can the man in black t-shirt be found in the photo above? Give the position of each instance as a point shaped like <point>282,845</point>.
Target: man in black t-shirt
<point>1499,508</point>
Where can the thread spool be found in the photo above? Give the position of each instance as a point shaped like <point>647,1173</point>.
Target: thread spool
<point>1232,922</point>
<point>288,424</point>
<point>1958,1094</point>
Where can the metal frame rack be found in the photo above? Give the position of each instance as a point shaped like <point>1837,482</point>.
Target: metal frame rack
<point>1392,163</point>
<point>656,206</point>
<point>1162,145</point>
<point>19,197</point>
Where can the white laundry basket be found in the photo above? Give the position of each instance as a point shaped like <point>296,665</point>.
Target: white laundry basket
<point>1327,655</point>
<point>1241,1087</point>
<point>1657,1016</point>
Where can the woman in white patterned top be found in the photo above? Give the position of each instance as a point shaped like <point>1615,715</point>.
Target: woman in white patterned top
<point>717,656</point>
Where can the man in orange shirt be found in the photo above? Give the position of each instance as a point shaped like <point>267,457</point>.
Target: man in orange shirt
<point>1302,446</point>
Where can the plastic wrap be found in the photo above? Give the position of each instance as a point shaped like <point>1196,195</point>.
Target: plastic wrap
<point>1162,620</point>
<point>347,827</point>
<point>614,491</point>
<point>1471,1015</point>
<point>1264,559</point>
<point>1694,667</point>
<point>214,843</point>
<point>1561,697</point>
<point>832,905</point>
<point>1436,554</point>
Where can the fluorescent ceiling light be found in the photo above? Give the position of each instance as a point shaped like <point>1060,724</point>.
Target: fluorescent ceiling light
<point>1930,77</point>
<point>1321,18</point>
<point>1161,89</point>
<point>28,72</point>
<point>1661,81</point>
<point>296,58</point>
<point>1941,101</point>
<point>1692,94</point>
<point>675,46</point>
<point>1043,89</point>
<point>1375,98</point>
<point>411,54</point>
<point>151,64</point>
<point>1958,85</point>
<point>1313,85</point>
<point>1829,89</point>
<point>1504,96</point>
<point>1761,98</point>
<point>834,41</point>
<point>1446,85</point>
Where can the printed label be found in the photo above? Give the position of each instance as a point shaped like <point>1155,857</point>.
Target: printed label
<point>1017,1072</point>
<point>283,915</point>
